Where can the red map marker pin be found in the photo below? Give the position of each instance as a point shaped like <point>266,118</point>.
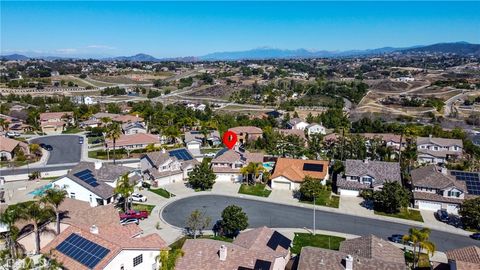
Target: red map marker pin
<point>230,139</point>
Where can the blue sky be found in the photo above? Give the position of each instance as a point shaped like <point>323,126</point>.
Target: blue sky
<point>166,29</point>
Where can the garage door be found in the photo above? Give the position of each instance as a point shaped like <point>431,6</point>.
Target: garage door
<point>281,185</point>
<point>432,206</point>
<point>346,192</point>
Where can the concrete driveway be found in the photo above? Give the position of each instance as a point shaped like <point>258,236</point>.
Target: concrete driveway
<point>66,148</point>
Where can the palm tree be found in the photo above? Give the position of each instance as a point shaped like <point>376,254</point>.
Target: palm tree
<point>8,218</point>
<point>171,132</point>
<point>168,258</point>
<point>125,189</point>
<point>419,238</point>
<point>54,197</point>
<point>113,133</point>
<point>37,213</point>
<point>254,169</point>
<point>4,124</point>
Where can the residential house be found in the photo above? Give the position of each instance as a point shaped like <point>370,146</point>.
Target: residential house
<point>94,182</point>
<point>87,100</point>
<point>247,133</point>
<point>290,173</point>
<point>94,239</point>
<point>294,132</point>
<point>166,167</point>
<point>363,253</point>
<point>315,128</point>
<point>438,150</point>
<point>9,146</point>
<point>194,140</point>
<point>390,140</point>
<point>297,123</point>
<point>366,174</point>
<point>467,258</point>
<point>261,248</point>
<point>96,119</point>
<point>130,128</point>
<point>228,163</point>
<point>133,141</point>
<point>434,189</point>
<point>55,122</point>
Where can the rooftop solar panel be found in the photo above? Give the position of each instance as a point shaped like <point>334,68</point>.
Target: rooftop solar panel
<point>471,179</point>
<point>313,167</point>
<point>181,154</point>
<point>82,250</point>
<point>87,177</point>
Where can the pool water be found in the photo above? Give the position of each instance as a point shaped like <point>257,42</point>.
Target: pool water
<point>268,165</point>
<point>39,191</point>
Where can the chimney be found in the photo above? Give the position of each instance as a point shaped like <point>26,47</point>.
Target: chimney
<point>349,262</point>
<point>223,253</point>
<point>94,229</point>
<point>430,136</point>
<point>164,151</point>
<point>98,165</point>
<point>365,161</point>
<point>443,170</point>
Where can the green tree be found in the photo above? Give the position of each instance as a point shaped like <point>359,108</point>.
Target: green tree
<point>196,222</point>
<point>36,213</point>
<point>113,133</point>
<point>419,239</point>
<point>54,197</point>
<point>125,189</point>
<point>8,218</point>
<point>168,258</point>
<point>391,198</point>
<point>234,220</point>
<point>252,171</point>
<point>201,177</point>
<point>310,188</point>
<point>470,213</point>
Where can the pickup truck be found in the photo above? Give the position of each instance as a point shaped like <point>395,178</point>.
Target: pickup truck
<point>134,214</point>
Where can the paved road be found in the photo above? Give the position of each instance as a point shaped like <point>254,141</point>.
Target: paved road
<point>66,148</point>
<point>284,216</point>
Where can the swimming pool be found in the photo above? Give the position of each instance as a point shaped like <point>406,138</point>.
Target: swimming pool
<point>268,165</point>
<point>39,191</point>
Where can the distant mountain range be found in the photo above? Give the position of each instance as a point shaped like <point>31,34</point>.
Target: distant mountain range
<point>461,48</point>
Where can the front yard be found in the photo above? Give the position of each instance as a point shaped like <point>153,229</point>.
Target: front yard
<point>255,190</point>
<point>409,214</point>
<point>162,192</point>
<point>319,240</point>
<point>325,198</point>
<point>143,207</point>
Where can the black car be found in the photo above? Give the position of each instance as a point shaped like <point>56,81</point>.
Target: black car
<point>396,238</point>
<point>475,236</point>
<point>442,215</point>
<point>46,147</point>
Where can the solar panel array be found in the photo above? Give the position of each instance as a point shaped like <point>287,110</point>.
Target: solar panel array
<point>313,167</point>
<point>87,177</point>
<point>82,250</point>
<point>181,154</point>
<point>471,179</point>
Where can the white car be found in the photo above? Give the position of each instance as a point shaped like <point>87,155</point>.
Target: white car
<point>129,221</point>
<point>12,134</point>
<point>138,197</point>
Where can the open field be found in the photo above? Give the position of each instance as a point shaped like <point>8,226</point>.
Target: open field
<point>117,80</point>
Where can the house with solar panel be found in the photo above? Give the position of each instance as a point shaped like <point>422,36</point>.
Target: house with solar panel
<point>164,167</point>
<point>434,188</point>
<point>94,182</point>
<point>290,173</point>
<point>438,150</point>
<point>362,175</point>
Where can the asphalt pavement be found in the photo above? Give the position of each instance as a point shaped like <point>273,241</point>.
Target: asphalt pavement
<point>284,216</point>
<point>66,148</point>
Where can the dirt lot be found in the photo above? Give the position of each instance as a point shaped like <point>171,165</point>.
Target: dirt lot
<point>118,79</point>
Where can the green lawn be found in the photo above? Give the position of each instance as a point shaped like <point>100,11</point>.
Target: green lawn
<point>72,130</point>
<point>162,192</point>
<point>143,207</point>
<point>411,214</point>
<point>326,198</point>
<point>256,190</point>
<point>423,261</point>
<point>93,139</point>
<point>179,243</point>
<point>319,240</point>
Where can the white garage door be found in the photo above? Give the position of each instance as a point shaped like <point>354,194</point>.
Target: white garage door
<point>346,192</point>
<point>452,208</point>
<point>281,185</point>
<point>432,206</point>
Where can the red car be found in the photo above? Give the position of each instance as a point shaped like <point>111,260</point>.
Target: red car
<point>134,214</point>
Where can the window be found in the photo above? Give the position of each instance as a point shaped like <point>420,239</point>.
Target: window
<point>72,195</point>
<point>137,260</point>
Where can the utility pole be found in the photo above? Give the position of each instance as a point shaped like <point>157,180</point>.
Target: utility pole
<point>314,197</point>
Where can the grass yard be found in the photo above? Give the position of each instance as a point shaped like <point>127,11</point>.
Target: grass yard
<point>179,243</point>
<point>72,130</point>
<point>411,214</point>
<point>255,190</point>
<point>423,261</point>
<point>319,240</point>
<point>326,199</point>
<point>143,207</point>
<point>162,192</point>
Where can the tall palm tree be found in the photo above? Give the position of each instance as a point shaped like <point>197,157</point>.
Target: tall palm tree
<point>54,197</point>
<point>37,213</point>
<point>8,218</point>
<point>419,239</point>
<point>113,133</point>
<point>254,169</point>
<point>125,189</point>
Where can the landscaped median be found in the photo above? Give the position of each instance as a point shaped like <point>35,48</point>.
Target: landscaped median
<point>255,190</point>
<point>318,240</point>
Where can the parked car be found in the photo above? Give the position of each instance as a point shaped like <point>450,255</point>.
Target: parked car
<point>129,221</point>
<point>136,197</point>
<point>396,238</point>
<point>12,134</point>
<point>46,147</point>
<point>134,214</point>
<point>475,236</point>
<point>80,140</point>
<point>212,155</point>
<point>442,215</point>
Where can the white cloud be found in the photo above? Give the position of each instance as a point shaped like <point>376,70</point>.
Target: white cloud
<point>106,47</point>
<point>66,51</point>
